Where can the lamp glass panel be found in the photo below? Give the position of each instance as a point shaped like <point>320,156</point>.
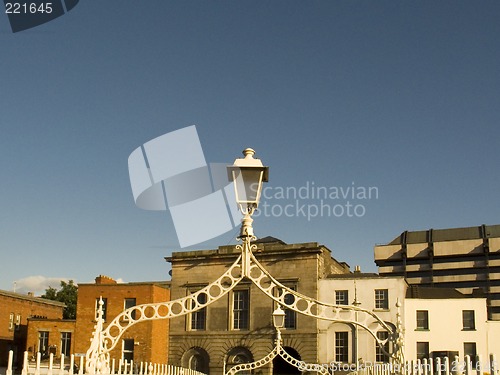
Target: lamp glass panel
<point>248,185</point>
<point>279,320</point>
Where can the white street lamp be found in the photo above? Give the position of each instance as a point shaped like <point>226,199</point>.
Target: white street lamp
<point>278,318</point>
<point>248,174</point>
<point>278,322</point>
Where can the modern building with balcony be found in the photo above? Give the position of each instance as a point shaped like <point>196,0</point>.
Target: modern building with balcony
<point>467,259</point>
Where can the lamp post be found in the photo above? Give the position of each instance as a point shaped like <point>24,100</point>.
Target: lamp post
<point>356,328</point>
<point>278,322</point>
<point>248,174</point>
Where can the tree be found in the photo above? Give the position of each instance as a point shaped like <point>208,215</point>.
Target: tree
<point>68,294</point>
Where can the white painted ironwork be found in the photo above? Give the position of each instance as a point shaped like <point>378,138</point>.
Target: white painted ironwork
<point>278,350</point>
<point>104,340</point>
<point>246,266</point>
<point>349,314</point>
<point>62,367</point>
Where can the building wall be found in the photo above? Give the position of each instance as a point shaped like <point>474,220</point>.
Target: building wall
<point>150,337</point>
<point>55,328</point>
<point>21,307</point>
<point>299,266</point>
<point>467,259</point>
<point>363,288</point>
<point>446,331</point>
<point>493,335</point>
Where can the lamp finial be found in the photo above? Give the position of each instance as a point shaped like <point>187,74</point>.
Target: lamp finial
<point>249,152</point>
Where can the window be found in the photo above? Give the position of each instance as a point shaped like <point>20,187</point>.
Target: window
<point>66,343</point>
<point>380,355</point>
<point>11,321</point>
<point>341,297</point>
<point>470,350</point>
<point>382,299</point>
<point>104,307</point>
<point>127,304</point>
<point>196,362</point>
<point>238,356</point>
<point>199,317</point>
<point>128,350</point>
<point>468,320</point>
<point>422,350</point>
<point>43,342</point>
<point>422,320</point>
<point>240,309</point>
<point>196,359</point>
<point>290,315</point>
<point>18,322</point>
<point>342,346</point>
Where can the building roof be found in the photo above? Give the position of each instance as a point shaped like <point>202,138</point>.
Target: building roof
<point>416,291</point>
<point>266,245</point>
<point>269,239</point>
<point>31,298</point>
<point>451,234</point>
<point>161,284</point>
<point>354,275</point>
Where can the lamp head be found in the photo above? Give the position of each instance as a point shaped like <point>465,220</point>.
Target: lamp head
<point>279,317</point>
<point>248,175</point>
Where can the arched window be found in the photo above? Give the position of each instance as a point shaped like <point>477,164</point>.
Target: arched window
<point>196,359</point>
<point>238,356</point>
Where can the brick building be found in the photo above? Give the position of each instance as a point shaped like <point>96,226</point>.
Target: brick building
<point>145,341</point>
<point>15,310</point>
<point>238,327</point>
<point>46,335</point>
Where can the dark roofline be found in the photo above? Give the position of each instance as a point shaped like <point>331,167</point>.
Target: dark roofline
<point>51,319</point>
<point>32,299</point>
<point>420,292</point>
<point>449,234</point>
<point>162,284</point>
<point>354,275</point>
<point>269,239</point>
<point>263,248</point>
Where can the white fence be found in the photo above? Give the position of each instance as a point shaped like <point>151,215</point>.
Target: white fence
<point>439,366</point>
<point>76,366</point>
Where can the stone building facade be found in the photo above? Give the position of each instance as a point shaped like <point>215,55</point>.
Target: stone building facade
<point>145,341</point>
<point>15,309</point>
<point>467,259</point>
<point>238,327</point>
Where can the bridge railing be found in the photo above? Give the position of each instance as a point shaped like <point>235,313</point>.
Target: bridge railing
<point>76,366</point>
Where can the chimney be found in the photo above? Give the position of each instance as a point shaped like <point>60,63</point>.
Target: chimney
<point>357,269</point>
<point>103,279</point>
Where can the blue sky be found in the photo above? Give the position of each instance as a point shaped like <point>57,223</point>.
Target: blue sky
<point>401,96</point>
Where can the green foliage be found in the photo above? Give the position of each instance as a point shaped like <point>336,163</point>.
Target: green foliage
<point>68,294</point>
